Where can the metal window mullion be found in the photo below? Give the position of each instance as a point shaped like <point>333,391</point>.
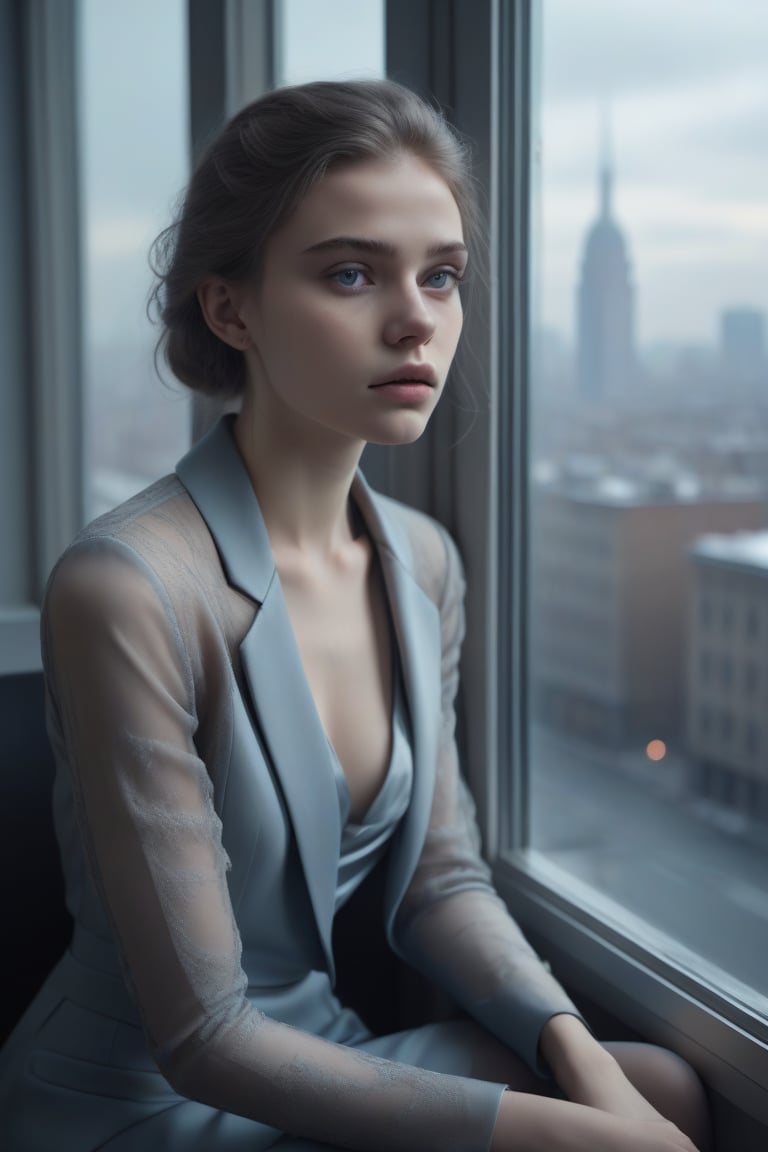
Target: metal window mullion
<point>443,49</point>
<point>55,307</point>
<point>250,47</point>
<point>16,511</point>
<point>231,62</point>
<point>511,218</point>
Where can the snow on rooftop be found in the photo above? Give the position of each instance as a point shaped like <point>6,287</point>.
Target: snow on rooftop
<point>744,549</point>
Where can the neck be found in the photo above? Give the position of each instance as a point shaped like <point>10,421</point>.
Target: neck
<point>302,478</point>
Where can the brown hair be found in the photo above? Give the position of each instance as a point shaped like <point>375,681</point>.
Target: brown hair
<point>255,173</point>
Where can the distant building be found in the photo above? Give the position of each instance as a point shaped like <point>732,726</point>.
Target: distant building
<point>742,346</point>
<point>610,587</point>
<point>728,671</point>
<point>606,365</point>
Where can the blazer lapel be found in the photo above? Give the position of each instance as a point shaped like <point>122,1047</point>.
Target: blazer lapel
<point>285,711</point>
<point>417,629</point>
<point>217,480</point>
<point>281,700</point>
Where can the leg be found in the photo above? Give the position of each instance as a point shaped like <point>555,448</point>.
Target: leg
<point>670,1085</point>
<point>465,1048</point>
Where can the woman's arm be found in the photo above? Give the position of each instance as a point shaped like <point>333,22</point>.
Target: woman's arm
<point>124,709</point>
<point>530,1123</point>
<point>451,924</point>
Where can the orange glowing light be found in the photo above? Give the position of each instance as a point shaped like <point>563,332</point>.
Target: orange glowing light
<point>656,750</point>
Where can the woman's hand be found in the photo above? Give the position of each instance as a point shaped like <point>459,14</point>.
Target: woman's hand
<point>608,1089</point>
<point>588,1074</point>
<point>529,1123</point>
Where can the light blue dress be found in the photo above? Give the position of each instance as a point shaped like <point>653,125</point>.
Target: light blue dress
<point>364,844</point>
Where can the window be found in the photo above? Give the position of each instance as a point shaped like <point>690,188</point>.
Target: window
<point>751,679</point>
<point>753,741</point>
<point>134,148</point>
<point>338,39</point>
<point>705,612</point>
<point>643,224</point>
<point>652,295</point>
<point>705,666</point>
<point>39,441</point>
<point>705,720</point>
<point>753,621</point>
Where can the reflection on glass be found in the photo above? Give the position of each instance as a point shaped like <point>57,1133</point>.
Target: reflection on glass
<point>134,163</point>
<point>649,469</point>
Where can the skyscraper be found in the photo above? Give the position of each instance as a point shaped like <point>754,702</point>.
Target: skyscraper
<point>605,306</point>
<point>742,346</point>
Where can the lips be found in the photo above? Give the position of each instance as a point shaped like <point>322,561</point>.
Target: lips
<point>409,374</point>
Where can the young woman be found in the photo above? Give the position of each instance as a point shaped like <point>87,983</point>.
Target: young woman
<point>251,673</point>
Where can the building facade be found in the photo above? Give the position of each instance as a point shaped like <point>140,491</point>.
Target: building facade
<point>728,671</point>
<point>610,587</point>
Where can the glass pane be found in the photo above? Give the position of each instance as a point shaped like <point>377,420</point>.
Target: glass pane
<point>335,40</point>
<point>134,163</point>
<point>648,663</point>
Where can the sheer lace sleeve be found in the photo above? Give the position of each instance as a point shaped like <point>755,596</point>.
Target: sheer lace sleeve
<point>451,924</point>
<point>124,698</point>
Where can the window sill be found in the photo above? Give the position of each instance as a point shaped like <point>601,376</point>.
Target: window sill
<point>641,977</point>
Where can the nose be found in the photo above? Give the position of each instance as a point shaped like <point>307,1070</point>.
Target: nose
<point>410,319</point>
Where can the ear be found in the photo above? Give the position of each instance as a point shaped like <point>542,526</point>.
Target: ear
<point>220,304</point>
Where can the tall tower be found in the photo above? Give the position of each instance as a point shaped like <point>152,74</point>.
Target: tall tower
<point>605,304</point>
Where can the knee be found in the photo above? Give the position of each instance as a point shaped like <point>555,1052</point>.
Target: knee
<point>670,1084</point>
<point>681,1095</point>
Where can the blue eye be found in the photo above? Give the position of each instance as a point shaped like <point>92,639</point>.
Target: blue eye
<point>442,279</point>
<point>348,277</point>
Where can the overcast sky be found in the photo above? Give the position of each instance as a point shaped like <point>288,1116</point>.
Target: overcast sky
<point>686,82</point>
<point>134,154</point>
<point>687,86</point>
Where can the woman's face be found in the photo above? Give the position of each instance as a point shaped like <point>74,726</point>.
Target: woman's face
<point>357,314</point>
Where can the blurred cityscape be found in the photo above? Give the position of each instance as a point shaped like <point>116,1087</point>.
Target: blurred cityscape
<point>649,540</point>
<point>138,425</point>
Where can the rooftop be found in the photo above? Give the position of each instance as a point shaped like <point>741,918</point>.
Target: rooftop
<point>588,479</point>
<point>744,550</point>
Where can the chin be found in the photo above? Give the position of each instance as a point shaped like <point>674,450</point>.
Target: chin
<point>406,430</point>
<point>404,437</point>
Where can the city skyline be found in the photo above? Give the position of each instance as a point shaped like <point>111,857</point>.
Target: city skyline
<point>688,93</point>
<point>569,336</point>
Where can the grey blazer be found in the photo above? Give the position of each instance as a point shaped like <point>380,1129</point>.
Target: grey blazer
<point>197,813</point>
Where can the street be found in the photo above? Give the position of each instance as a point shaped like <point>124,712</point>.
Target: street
<point>695,873</point>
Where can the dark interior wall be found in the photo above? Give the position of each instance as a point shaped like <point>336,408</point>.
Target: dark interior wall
<point>36,925</point>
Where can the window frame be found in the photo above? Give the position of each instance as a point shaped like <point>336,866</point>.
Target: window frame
<point>614,959</point>
<point>230,63</point>
<point>48,423</point>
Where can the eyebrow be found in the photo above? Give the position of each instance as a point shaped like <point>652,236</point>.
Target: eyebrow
<point>381,247</point>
